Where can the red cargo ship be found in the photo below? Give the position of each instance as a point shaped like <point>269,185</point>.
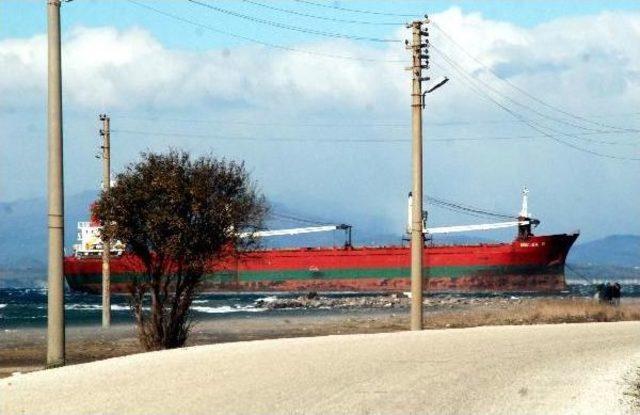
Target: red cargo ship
<point>529,263</point>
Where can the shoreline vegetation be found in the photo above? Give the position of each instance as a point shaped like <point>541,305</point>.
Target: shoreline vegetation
<point>24,350</point>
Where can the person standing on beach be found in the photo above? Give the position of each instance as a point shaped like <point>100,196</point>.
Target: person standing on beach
<point>616,294</point>
<point>608,291</point>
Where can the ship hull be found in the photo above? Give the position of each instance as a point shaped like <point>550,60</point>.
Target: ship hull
<point>534,264</point>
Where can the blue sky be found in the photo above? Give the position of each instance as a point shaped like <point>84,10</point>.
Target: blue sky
<point>25,18</point>
<point>290,115</point>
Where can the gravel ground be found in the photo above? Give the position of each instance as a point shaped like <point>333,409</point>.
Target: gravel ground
<point>540,369</point>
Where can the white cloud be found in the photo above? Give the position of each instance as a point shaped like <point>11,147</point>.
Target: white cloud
<point>587,65</point>
<point>130,69</point>
<point>587,58</point>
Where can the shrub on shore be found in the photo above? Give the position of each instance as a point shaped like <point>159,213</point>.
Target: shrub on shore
<point>177,216</point>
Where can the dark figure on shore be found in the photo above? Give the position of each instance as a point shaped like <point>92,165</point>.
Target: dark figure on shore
<point>616,294</point>
<point>604,293</point>
<point>608,293</point>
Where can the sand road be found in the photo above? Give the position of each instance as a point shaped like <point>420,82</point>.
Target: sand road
<point>545,369</point>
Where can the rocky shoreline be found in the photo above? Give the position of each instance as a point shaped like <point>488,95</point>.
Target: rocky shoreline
<point>396,300</point>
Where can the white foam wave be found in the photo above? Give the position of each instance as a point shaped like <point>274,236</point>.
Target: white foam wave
<point>83,307</point>
<point>226,309</point>
<point>3,305</point>
<point>237,308</point>
<point>89,307</point>
<point>270,299</point>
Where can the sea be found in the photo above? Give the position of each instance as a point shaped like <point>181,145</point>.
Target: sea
<point>27,307</point>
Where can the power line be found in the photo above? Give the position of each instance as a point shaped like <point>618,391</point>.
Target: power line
<point>257,41</point>
<point>513,101</point>
<point>530,123</point>
<point>332,140</point>
<point>335,7</point>
<point>545,133</point>
<point>262,124</point>
<point>390,124</point>
<point>524,92</point>
<point>245,138</point>
<point>292,28</point>
<point>314,16</point>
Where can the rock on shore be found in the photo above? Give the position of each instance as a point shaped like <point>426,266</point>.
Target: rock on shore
<point>395,300</point>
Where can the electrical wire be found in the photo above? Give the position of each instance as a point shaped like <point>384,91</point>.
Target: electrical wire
<point>245,138</point>
<point>345,9</point>
<point>332,140</point>
<point>524,92</point>
<point>314,16</point>
<point>354,124</point>
<point>257,41</point>
<point>541,130</point>
<point>513,101</point>
<point>531,124</point>
<point>290,27</point>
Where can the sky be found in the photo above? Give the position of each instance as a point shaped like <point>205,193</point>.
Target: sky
<point>541,94</point>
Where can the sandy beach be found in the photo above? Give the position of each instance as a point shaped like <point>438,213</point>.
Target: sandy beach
<point>541,369</point>
<point>24,350</point>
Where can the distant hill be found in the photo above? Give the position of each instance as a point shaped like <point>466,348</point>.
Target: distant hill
<point>614,250</point>
<point>23,229</point>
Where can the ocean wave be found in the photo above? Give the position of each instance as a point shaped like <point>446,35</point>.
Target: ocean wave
<point>92,307</point>
<point>200,301</point>
<point>3,305</point>
<point>83,307</point>
<point>226,309</point>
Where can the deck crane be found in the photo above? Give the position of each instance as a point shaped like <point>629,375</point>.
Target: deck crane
<point>300,231</point>
<point>523,221</point>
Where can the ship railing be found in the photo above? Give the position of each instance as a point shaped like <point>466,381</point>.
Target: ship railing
<point>81,252</point>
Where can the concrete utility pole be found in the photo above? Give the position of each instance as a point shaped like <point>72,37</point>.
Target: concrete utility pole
<point>105,132</point>
<point>417,237</point>
<point>55,276</point>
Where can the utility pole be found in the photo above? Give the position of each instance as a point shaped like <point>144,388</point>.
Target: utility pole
<point>419,52</point>
<point>105,132</point>
<point>55,276</point>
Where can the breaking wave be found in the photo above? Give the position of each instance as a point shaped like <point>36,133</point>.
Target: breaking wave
<point>88,307</point>
<point>227,309</point>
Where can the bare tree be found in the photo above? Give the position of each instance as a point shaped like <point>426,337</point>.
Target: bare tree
<point>177,217</point>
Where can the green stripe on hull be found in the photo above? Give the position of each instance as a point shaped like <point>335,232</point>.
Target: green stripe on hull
<point>452,272</point>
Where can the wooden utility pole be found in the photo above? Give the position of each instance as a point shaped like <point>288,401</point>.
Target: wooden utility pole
<point>55,276</point>
<point>419,53</point>
<point>105,132</point>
